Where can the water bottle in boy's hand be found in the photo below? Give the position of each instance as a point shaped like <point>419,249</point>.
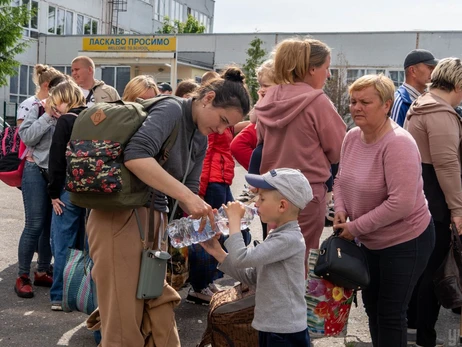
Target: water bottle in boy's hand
<point>184,232</point>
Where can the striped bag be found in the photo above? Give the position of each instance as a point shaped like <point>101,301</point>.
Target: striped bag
<point>79,290</point>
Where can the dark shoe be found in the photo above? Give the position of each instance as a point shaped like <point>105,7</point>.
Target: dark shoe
<point>44,280</point>
<point>193,298</point>
<point>456,310</point>
<point>439,343</point>
<point>23,287</point>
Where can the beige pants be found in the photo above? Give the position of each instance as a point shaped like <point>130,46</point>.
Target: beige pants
<point>115,247</point>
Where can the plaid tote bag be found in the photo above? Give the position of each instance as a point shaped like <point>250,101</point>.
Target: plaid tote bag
<point>79,290</point>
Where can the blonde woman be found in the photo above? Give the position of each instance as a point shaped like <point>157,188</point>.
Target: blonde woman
<point>299,126</point>
<point>68,221</point>
<point>36,131</point>
<point>379,188</point>
<point>142,86</point>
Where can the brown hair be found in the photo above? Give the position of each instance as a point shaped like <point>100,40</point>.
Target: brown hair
<point>43,74</point>
<point>87,61</point>
<point>294,57</point>
<point>230,90</point>
<point>67,92</point>
<point>208,76</point>
<point>138,86</point>
<point>186,87</point>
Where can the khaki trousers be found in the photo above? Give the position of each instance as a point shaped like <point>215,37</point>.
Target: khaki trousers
<point>115,247</point>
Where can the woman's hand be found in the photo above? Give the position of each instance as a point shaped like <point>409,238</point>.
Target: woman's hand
<point>57,206</point>
<point>340,217</point>
<point>341,224</point>
<point>198,208</point>
<point>458,222</point>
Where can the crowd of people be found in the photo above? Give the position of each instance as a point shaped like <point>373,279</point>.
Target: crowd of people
<point>397,189</point>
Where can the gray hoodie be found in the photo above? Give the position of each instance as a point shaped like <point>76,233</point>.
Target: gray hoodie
<point>277,268</point>
<point>37,133</point>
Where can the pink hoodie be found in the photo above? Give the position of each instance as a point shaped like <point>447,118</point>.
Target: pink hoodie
<point>300,129</point>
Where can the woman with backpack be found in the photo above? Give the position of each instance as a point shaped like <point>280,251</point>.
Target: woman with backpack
<point>36,131</point>
<point>68,220</point>
<point>114,236</point>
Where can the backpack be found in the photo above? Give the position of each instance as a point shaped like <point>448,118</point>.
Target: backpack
<point>229,319</point>
<point>96,175</point>
<point>12,154</point>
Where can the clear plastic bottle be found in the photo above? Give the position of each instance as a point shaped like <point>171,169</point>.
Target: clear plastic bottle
<point>184,232</point>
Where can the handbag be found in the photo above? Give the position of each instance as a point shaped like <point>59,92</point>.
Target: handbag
<point>79,290</point>
<point>343,263</point>
<point>328,306</point>
<point>447,278</point>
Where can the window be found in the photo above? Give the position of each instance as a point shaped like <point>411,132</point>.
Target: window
<point>65,69</point>
<point>354,74</point>
<point>30,26</point>
<point>63,22</point>
<point>116,76</point>
<point>21,85</point>
<point>177,11</point>
<point>397,77</point>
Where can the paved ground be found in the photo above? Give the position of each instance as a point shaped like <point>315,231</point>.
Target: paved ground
<point>30,322</point>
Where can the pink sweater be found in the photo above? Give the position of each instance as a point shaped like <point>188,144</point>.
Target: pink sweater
<point>380,187</point>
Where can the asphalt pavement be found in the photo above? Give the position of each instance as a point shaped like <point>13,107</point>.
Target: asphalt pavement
<point>31,323</point>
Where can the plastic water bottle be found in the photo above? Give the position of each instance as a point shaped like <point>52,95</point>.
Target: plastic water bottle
<point>184,232</point>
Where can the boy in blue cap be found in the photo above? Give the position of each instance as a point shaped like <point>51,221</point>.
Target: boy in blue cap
<point>276,266</point>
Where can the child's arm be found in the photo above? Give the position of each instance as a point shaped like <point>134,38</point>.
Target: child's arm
<point>213,247</point>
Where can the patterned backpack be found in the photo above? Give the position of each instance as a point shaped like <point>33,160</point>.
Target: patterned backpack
<point>11,156</point>
<point>96,175</point>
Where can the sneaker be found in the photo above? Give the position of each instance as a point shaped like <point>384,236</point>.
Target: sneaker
<point>198,298</point>
<point>439,343</point>
<point>411,336</point>
<point>23,287</point>
<point>44,280</point>
<point>56,307</point>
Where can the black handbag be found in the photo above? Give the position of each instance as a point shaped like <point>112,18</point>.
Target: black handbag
<point>342,263</point>
<point>447,278</point>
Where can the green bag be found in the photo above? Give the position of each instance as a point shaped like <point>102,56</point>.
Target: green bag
<point>96,175</point>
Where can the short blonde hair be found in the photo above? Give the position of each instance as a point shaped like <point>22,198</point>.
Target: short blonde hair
<point>294,57</point>
<point>208,76</point>
<point>139,85</point>
<point>67,92</point>
<point>447,75</point>
<point>382,84</point>
<point>87,61</point>
<point>266,69</point>
<point>43,74</point>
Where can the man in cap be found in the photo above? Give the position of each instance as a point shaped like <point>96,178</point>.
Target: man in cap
<point>165,88</point>
<point>418,67</point>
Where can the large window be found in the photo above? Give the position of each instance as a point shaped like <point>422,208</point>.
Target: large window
<point>397,77</point>
<point>354,74</point>
<point>63,22</point>
<point>161,9</point>
<point>201,18</point>
<point>30,26</point>
<point>116,76</point>
<point>21,85</point>
<point>177,11</point>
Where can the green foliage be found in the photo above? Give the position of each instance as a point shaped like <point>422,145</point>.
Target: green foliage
<point>191,26</point>
<point>11,43</point>
<point>255,57</point>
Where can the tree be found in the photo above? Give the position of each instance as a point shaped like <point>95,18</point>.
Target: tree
<point>255,57</point>
<point>11,43</point>
<point>336,89</point>
<point>191,26</point>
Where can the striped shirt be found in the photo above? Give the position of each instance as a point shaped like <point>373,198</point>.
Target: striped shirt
<point>380,187</point>
<point>404,96</point>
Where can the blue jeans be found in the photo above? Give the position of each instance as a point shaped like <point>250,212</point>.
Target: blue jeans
<point>394,273</point>
<point>67,231</point>
<point>300,339</point>
<point>37,209</point>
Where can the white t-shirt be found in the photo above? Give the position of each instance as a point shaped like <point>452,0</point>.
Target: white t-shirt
<point>92,98</point>
<point>26,106</point>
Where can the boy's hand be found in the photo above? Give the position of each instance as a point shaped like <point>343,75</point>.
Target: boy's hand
<point>235,211</point>
<point>213,247</point>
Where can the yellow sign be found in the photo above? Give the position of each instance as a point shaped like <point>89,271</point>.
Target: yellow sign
<point>129,43</point>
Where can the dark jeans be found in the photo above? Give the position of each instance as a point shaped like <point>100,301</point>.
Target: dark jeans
<point>37,209</point>
<point>300,339</point>
<point>424,307</point>
<point>67,231</point>
<point>394,273</point>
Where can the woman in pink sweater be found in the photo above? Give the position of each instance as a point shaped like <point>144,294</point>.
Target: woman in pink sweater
<point>379,187</point>
<point>299,126</point>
